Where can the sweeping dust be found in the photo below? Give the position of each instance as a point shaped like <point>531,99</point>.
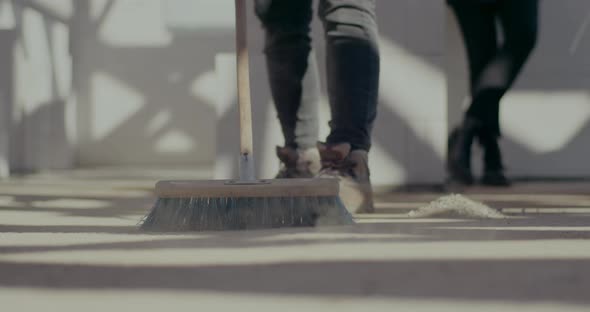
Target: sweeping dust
<point>456,205</point>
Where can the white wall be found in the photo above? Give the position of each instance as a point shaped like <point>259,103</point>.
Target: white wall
<point>137,81</point>
<point>154,82</point>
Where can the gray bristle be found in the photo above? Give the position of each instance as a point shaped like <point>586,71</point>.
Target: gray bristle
<point>215,214</point>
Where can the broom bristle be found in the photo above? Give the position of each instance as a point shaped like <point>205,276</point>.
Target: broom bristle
<point>247,213</point>
<point>233,205</point>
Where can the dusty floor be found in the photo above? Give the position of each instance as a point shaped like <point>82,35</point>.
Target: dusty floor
<point>69,242</point>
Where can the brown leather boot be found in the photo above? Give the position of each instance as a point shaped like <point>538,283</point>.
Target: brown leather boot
<point>297,163</point>
<point>352,169</point>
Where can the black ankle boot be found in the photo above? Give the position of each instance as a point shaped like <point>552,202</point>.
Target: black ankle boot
<point>459,151</point>
<point>493,174</point>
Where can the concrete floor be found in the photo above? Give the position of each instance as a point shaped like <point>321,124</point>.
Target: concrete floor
<point>69,242</point>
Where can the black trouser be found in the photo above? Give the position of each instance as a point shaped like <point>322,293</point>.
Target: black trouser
<point>493,67</point>
<point>352,60</point>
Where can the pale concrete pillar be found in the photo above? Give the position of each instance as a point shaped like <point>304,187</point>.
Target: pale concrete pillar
<point>41,134</point>
<point>6,98</point>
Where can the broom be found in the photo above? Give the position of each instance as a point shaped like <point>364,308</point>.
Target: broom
<point>246,203</point>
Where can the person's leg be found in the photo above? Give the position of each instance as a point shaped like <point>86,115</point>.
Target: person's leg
<point>294,81</point>
<point>478,26</point>
<point>292,69</point>
<point>477,23</point>
<point>519,21</point>
<point>352,59</point>
<point>519,25</point>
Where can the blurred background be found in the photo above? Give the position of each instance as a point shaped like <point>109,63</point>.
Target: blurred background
<point>143,84</point>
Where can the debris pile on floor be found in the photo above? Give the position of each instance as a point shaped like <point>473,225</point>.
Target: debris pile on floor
<point>456,206</point>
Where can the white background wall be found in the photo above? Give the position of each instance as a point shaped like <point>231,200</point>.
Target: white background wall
<point>154,85</point>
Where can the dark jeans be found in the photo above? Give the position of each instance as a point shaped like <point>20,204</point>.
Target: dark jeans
<point>352,60</point>
<point>494,67</point>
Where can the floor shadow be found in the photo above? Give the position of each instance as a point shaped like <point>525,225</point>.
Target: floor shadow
<point>563,281</point>
<point>108,208</point>
<point>383,230</point>
<point>69,229</point>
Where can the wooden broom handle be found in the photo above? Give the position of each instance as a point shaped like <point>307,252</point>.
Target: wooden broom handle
<point>243,79</point>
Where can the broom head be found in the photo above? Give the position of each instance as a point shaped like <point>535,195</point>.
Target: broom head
<point>242,205</point>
